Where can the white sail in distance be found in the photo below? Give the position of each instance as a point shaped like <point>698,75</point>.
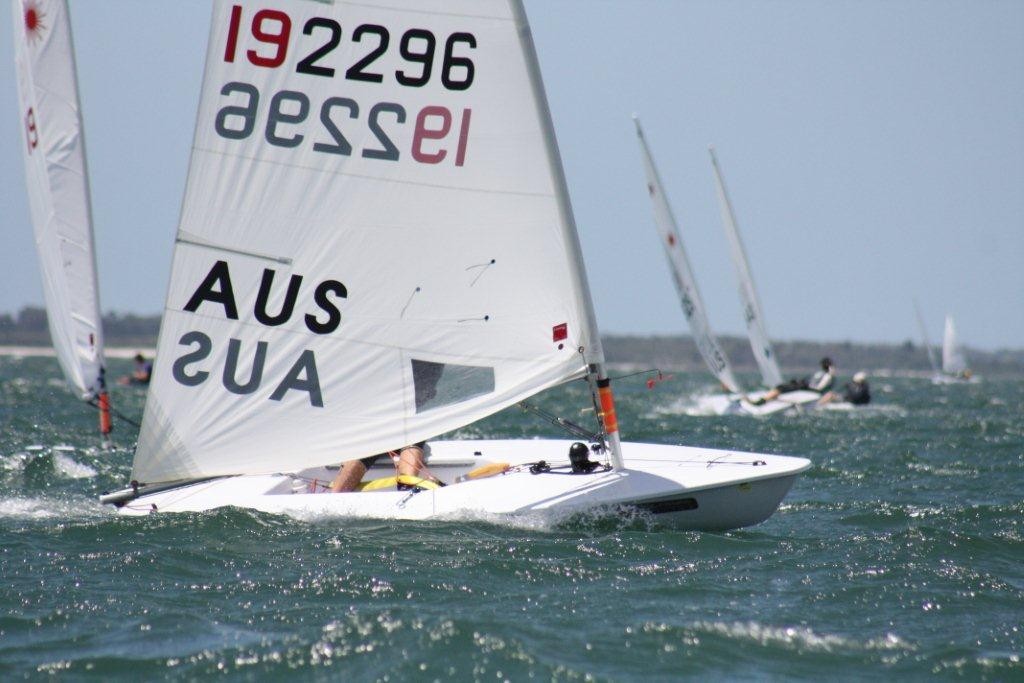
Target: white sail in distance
<point>375,244</point>
<point>924,340</point>
<point>953,361</point>
<point>682,274</point>
<point>58,189</point>
<point>760,343</point>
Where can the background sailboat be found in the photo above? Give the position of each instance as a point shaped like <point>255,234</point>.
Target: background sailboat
<point>760,343</point>
<point>682,274</point>
<point>954,364</point>
<point>58,189</point>
<point>353,274</point>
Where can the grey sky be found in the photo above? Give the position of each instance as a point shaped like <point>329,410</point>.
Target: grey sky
<point>874,152</point>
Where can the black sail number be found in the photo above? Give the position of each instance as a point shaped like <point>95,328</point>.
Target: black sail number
<point>455,67</point>
<point>417,46</point>
<point>357,72</point>
<point>309,64</point>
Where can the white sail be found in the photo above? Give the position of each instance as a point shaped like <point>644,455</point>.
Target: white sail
<point>760,343</point>
<point>953,361</point>
<point>924,340</point>
<point>375,244</point>
<point>682,274</point>
<point>58,188</point>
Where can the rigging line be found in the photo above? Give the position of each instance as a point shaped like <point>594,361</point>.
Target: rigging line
<point>409,301</point>
<point>568,426</point>
<point>115,413</point>
<point>483,269</point>
<point>634,374</point>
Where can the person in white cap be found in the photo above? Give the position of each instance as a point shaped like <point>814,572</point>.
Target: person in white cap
<point>855,393</point>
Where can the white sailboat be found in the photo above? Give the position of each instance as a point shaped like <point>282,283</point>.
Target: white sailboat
<point>760,342</point>
<point>376,247</point>
<point>58,190</point>
<point>682,275</point>
<point>954,364</point>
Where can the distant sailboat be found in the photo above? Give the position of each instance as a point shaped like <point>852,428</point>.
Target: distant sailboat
<point>58,190</point>
<point>399,265</point>
<point>760,343</point>
<point>682,274</point>
<point>954,364</point>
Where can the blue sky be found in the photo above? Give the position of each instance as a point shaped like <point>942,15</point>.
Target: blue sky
<point>874,152</point>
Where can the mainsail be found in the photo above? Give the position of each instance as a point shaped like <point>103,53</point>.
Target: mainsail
<point>953,361</point>
<point>924,340</point>
<point>375,245</point>
<point>682,274</point>
<point>760,344</point>
<point>58,189</point>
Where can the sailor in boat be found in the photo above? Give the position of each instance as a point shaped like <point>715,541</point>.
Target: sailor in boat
<point>408,463</point>
<point>140,373</point>
<point>820,382</point>
<point>856,393</point>
<point>408,460</point>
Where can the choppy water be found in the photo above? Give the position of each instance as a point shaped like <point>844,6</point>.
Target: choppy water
<point>901,555</point>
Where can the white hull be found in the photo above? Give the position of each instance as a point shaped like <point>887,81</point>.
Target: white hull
<point>954,379</point>
<point>683,487</point>
<point>735,404</point>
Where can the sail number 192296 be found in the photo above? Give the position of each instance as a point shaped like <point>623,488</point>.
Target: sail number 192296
<point>272,29</point>
<point>439,133</point>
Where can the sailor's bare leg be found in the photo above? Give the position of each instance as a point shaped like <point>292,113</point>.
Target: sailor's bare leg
<point>349,476</point>
<point>410,460</point>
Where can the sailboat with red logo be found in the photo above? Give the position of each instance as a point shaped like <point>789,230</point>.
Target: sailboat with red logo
<point>58,191</point>
<point>376,248</point>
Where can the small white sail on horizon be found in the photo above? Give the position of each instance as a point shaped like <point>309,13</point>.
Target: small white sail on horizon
<point>760,343</point>
<point>682,274</point>
<point>58,190</point>
<point>953,361</point>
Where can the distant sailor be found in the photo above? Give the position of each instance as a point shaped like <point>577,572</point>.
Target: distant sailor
<point>820,382</point>
<point>140,373</point>
<point>856,393</point>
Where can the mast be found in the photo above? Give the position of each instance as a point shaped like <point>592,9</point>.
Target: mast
<point>760,343</point>
<point>593,352</point>
<point>682,274</point>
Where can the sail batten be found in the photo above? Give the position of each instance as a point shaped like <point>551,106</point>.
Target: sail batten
<point>434,274</point>
<point>58,188</point>
<point>760,343</point>
<point>686,284</point>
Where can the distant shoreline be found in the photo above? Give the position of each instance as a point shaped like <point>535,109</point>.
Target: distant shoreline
<point>48,352</point>
<point>797,358</point>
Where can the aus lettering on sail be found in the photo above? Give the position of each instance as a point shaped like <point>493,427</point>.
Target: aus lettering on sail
<point>215,297</point>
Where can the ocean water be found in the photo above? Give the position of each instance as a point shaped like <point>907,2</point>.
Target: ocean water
<point>899,555</point>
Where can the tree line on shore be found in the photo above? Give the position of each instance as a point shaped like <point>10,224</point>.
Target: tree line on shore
<point>28,328</point>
